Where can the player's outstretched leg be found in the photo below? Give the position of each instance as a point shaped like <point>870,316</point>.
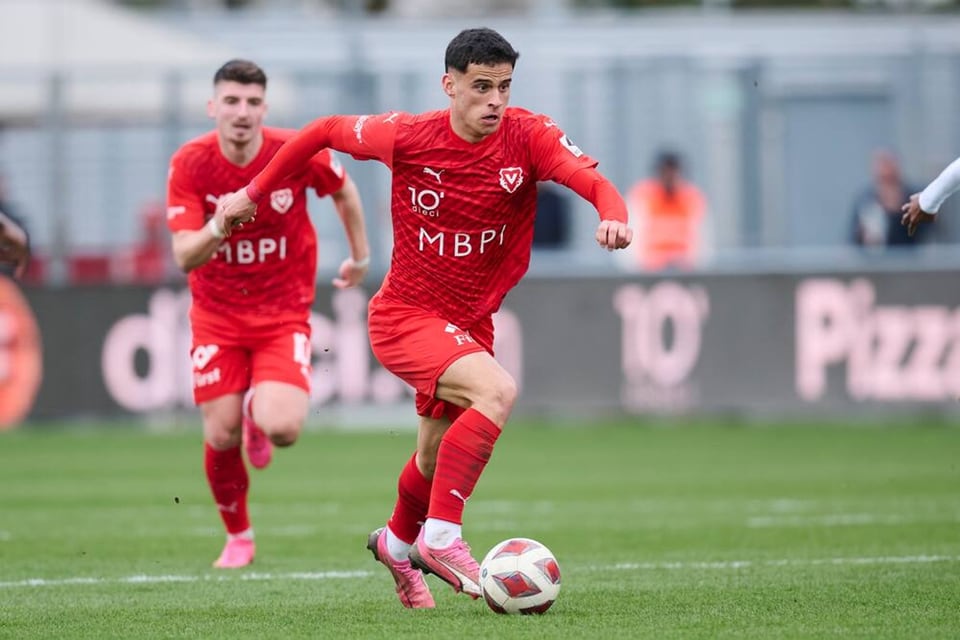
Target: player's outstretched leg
<point>255,442</point>
<point>411,587</point>
<point>453,564</point>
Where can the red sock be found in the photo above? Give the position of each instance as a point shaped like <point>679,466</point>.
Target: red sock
<point>228,480</point>
<point>413,498</point>
<point>464,452</point>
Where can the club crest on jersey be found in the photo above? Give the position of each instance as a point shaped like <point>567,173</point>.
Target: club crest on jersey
<point>511,178</point>
<point>281,200</point>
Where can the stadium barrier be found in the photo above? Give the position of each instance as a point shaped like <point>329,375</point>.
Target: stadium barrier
<point>852,343</point>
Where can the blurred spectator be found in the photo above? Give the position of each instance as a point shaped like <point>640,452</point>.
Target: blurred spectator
<point>667,213</point>
<point>148,260</point>
<point>551,229</point>
<point>145,261</point>
<point>14,240</point>
<point>876,210</point>
<point>14,245</point>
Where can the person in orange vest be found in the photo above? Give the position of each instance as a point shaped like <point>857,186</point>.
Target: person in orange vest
<point>667,213</point>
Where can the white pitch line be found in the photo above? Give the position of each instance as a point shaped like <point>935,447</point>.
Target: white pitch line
<point>839,520</point>
<point>347,575</point>
<point>812,562</point>
<point>159,579</point>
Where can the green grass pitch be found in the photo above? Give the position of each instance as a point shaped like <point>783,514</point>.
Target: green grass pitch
<point>686,530</point>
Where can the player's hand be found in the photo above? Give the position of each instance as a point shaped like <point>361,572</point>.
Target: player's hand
<point>913,215</point>
<point>613,234</point>
<point>352,273</point>
<point>234,209</point>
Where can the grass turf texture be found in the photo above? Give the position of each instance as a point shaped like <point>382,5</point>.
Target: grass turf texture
<point>694,530</point>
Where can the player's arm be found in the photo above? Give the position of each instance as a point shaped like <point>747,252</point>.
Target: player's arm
<point>193,241</point>
<point>349,207</point>
<point>923,206</point>
<point>613,231</point>
<point>14,244</point>
<point>557,158</point>
<point>193,248</point>
<point>342,133</point>
<point>941,188</point>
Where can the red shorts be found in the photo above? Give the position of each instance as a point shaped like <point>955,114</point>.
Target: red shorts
<point>232,353</point>
<point>417,346</point>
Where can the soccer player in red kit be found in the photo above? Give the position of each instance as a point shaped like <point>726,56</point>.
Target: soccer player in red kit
<point>463,207</point>
<point>251,292</point>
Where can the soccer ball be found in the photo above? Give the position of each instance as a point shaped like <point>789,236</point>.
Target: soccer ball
<point>519,575</point>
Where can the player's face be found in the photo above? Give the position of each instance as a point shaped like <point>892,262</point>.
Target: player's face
<point>238,110</point>
<point>478,99</point>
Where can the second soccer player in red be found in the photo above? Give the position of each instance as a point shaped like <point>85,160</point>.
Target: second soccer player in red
<point>252,292</point>
<point>463,207</point>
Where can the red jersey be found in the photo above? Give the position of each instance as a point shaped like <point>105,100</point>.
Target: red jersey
<point>462,212</point>
<point>264,268</point>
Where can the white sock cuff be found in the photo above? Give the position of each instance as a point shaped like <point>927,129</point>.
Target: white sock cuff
<point>397,548</point>
<point>247,534</point>
<point>440,534</point>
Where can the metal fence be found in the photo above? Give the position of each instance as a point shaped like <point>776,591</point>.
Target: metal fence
<point>776,115</point>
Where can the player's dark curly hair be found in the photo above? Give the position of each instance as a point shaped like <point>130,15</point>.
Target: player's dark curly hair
<point>242,71</point>
<point>479,46</point>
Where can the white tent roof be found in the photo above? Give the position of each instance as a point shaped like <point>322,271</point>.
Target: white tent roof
<point>114,61</point>
<point>39,35</point>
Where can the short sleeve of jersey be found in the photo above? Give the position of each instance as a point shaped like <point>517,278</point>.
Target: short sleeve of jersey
<point>554,155</point>
<point>184,202</point>
<point>327,175</point>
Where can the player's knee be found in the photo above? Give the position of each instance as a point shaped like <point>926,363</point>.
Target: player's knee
<point>498,398</point>
<point>284,434</point>
<point>221,425</point>
<point>284,431</point>
<point>506,393</point>
<point>427,462</point>
<point>221,435</point>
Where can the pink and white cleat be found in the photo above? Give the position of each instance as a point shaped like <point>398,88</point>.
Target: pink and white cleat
<point>255,442</point>
<point>454,565</point>
<point>412,589</point>
<point>238,552</point>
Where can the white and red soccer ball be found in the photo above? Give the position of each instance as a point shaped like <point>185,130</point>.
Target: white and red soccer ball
<point>520,575</point>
